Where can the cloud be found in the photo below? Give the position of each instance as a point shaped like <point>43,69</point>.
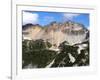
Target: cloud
<point>70,16</point>
<point>48,19</point>
<point>29,17</point>
<point>88,28</point>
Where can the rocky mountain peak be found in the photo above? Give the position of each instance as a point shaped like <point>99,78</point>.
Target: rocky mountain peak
<point>56,33</point>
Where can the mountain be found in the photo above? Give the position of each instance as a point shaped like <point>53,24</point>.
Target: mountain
<point>56,33</point>
<point>37,54</point>
<point>55,45</point>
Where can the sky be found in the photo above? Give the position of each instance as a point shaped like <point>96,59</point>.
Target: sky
<point>45,18</point>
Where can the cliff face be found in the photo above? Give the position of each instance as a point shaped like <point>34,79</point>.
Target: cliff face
<point>55,45</point>
<point>56,33</point>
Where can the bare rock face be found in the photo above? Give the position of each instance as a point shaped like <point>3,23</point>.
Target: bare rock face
<point>55,45</point>
<point>56,33</point>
